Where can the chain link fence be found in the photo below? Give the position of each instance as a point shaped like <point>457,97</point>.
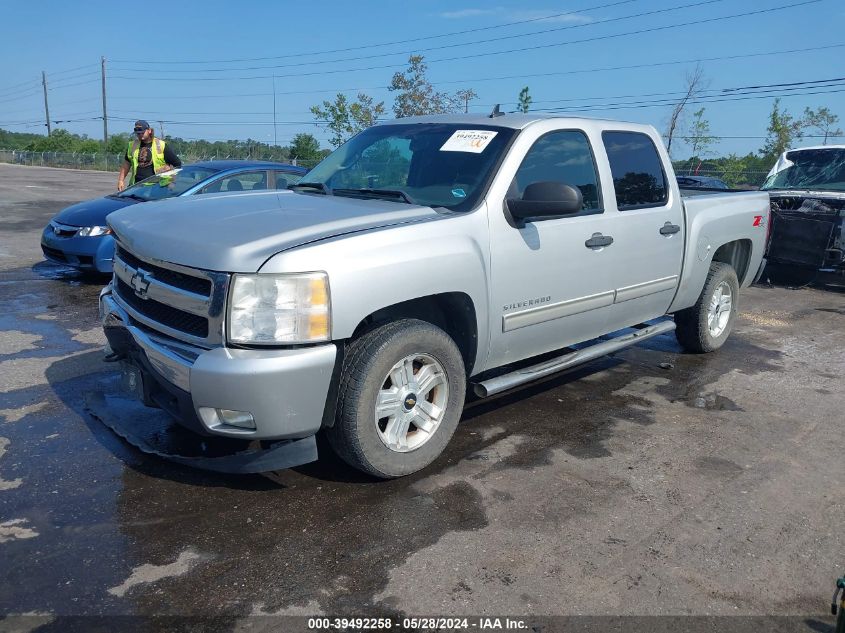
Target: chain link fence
<point>101,161</point>
<point>104,162</point>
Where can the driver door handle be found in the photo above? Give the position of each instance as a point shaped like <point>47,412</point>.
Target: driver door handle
<point>598,241</point>
<point>669,229</point>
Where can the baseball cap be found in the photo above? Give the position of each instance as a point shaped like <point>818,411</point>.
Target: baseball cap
<point>141,125</point>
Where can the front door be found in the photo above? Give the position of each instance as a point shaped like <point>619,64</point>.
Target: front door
<point>550,287</point>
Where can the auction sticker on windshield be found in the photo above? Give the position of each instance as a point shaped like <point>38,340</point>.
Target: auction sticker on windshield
<point>468,141</point>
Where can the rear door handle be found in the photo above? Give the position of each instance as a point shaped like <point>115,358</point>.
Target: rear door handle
<point>669,229</point>
<point>598,241</point>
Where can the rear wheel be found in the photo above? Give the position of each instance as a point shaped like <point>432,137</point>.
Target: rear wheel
<point>706,326</point>
<point>400,398</point>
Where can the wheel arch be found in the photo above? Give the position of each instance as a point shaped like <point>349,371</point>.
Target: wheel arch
<point>738,255</point>
<point>452,312</point>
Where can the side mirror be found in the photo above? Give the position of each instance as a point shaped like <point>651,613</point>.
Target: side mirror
<point>545,199</point>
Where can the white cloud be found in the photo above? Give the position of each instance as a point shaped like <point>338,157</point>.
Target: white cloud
<point>468,13</point>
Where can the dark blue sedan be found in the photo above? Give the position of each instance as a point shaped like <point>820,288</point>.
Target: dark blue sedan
<point>79,236</point>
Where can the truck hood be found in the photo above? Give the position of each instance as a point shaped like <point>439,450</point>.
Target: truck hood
<point>239,232</point>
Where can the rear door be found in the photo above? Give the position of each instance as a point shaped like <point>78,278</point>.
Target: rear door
<point>648,231</point>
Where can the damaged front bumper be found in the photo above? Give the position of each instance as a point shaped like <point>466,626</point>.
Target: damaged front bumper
<point>279,396</point>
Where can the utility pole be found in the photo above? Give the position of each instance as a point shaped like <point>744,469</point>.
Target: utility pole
<point>46,107</point>
<point>105,116</point>
<point>275,141</point>
<point>161,127</point>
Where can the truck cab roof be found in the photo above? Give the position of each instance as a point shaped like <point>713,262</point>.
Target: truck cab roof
<point>514,120</point>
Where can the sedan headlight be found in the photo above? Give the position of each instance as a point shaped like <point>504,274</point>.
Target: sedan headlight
<point>270,309</point>
<point>94,231</point>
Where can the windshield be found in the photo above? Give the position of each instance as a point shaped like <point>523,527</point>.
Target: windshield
<point>167,185</point>
<point>822,169</point>
<point>431,164</point>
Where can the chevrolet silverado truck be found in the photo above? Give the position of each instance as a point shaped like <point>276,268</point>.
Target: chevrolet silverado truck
<point>424,257</point>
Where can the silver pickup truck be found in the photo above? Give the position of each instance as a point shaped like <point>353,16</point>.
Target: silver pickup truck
<point>424,257</point>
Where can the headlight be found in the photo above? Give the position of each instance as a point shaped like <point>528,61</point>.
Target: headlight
<point>94,231</point>
<point>269,309</point>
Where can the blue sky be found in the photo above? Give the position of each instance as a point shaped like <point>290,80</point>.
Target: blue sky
<point>588,59</point>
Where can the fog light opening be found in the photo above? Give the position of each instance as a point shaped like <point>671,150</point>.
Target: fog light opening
<point>229,417</point>
<point>242,419</point>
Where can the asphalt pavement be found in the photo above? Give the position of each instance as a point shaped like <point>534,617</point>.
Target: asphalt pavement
<point>649,483</point>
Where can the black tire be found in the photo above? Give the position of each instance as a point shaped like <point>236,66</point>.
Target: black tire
<point>692,329</point>
<point>355,436</point>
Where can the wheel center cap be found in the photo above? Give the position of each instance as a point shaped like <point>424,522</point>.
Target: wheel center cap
<point>410,401</point>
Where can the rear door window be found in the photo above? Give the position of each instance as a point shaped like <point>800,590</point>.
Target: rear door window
<point>638,177</point>
<point>246,181</point>
<point>285,179</point>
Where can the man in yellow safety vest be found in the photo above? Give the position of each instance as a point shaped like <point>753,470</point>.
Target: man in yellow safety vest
<point>145,156</point>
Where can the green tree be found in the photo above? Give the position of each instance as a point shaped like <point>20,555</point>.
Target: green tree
<point>782,131</point>
<point>345,119</point>
<point>118,143</point>
<point>735,170</point>
<point>822,121</point>
<point>415,94</point>
<point>305,148</point>
<point>524,100</point>
<point>59,141</point>
<point>699,137</point>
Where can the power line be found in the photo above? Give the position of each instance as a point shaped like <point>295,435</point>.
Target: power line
<point>33,91</point>
<point>367,46</point>
<point>738,95</point>
<point>717,91</point>
<point>62,82</point>
<point>70,70</point>
<point>623,106</point>
<point>81,83</point>
<point>492,53</point>
<point>437,48</point>
<point>52,74</point>
<point>521,76</point>
<point>11,89</point>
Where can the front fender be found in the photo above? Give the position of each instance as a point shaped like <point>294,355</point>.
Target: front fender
<point>376,269</point>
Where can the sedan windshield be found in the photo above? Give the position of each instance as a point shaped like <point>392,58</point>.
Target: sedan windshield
<point>167,185</point>
<point>432,164</point>
<point>820,169</point>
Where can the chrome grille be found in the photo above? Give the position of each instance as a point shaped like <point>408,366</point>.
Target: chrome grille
<point>197,285</point>
<point>181,302</point>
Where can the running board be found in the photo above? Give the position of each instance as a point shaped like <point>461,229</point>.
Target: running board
<point>578,357</point>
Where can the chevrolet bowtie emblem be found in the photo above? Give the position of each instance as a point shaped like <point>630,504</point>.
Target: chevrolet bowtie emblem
<point>140,283</point>
<point>410,402</point>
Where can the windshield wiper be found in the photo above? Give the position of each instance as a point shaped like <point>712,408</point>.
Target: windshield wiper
<point>380,193</point>
<point>133,196</point>
<point>319,186</point>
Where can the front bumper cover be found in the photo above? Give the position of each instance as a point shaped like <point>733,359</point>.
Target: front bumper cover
<point>285,390</point>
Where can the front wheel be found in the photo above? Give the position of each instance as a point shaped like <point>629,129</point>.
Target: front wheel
<point>401,395</point>
<point>706,326</point>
